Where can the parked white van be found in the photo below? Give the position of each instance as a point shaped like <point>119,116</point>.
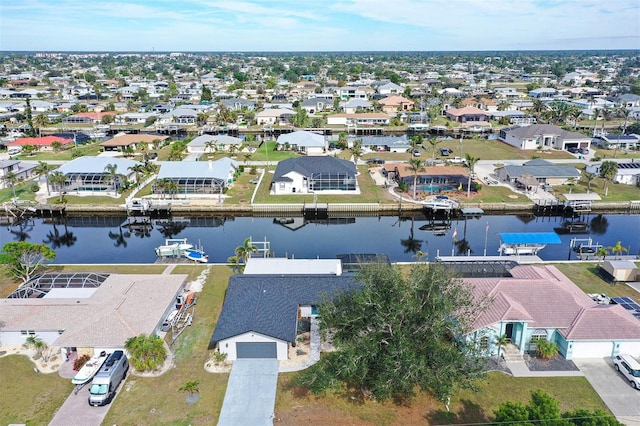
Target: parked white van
<point>629,368</point>
<point>14,150</point>
<point>106,381</point>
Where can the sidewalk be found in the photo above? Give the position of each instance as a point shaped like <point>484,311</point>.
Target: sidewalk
<point>520,369</point>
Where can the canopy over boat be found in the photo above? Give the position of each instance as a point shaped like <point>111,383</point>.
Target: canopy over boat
<point>530,238</point>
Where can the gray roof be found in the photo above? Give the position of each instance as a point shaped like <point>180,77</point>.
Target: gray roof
<point>97,165</point>
<point>545,129</point>
<point>307,166</point>
<point>382,140</point>
<point>219,139</point>
<point>540,168</point>
<point>268,304</point>
<point>196,169</point>
<point>302,138</point>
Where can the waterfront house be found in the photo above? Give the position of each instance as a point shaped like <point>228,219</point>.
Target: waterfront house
<point>543,136</point>
<point>261,313</point>
<point>362,119</point>
<point>433,179</point>
<point>469,117</point>
<point>540,303</point>
<point>195,177</point>
<point>238,104</point>
<point>88,175</point>
<point>183,116</point>
<point>213,143</point>
<point>393,104</point>
<point>274,117</point>
<point>624,142</point>
<point>537,170</point>
<point>484,104</point>
<point>87,117</point>
<point>628,172</point>
<point>122,141</point>
<point>21,170</point>
<point>304,175</point>
<point>44,143</point>
<point>302,141</point>
<point>353,106</point>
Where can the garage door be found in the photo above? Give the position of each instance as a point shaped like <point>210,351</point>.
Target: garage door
<point>256,350</point>
<point>592,349</point>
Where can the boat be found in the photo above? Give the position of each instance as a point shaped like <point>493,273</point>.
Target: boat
<point>173,247</point>
<point>526,243</point>
<point>440,202</point>
<point>197,255</point>
<point>89,369</point>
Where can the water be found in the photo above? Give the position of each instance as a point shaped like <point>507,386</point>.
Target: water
<point>104,240</point>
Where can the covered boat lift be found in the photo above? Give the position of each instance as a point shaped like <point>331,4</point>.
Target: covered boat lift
<point>528,243</point>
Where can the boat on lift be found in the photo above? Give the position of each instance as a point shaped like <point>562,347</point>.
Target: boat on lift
<point>196,254</point>
<point>527,243</point>
<point>175,247</point>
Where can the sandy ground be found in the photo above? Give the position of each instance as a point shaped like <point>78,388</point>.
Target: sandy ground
<point>52,366</point>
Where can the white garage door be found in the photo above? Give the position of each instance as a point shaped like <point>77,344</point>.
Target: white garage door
<point>632,348</point>
<point>592,349</point>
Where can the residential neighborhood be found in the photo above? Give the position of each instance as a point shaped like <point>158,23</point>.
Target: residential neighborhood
<point>135,148</point>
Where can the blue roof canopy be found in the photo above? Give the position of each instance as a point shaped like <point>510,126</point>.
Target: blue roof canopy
<point>530,238</point>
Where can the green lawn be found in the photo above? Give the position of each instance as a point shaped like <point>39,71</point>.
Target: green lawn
<point>29,397</point>
<point>157,400</point>
<point>585,275</point>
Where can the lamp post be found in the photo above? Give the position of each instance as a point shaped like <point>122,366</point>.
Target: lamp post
<point>486,233</point>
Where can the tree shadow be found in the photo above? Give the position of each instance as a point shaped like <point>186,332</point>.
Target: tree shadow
<point>469,412</point>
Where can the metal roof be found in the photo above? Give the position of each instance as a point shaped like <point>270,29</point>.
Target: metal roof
<point>530,238</point>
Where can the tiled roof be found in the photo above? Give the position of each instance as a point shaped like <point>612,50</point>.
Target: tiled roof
<point>268,304</point>
<point>458,112</point>
<point>603,322</point>
<point>43,141</point>
<point>130,139</point>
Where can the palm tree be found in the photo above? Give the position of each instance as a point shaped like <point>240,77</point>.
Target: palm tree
<point>58,178</point>
<point>56,146</point>
<point>11,179</point>
<point>235,264</point>
<point>471,164</point>
<point>501,342</point>
<point>617,250</point>
<point>138,169</point>
<point>43,169</point>
<point>172,187</point>
<point>624,113</point>
<point>602,253</point>
<point>433,141</point>
<point>40,121</point>
<point>415,166</point>
<point>147,353</point>
<point>111,172</point>
<point>243,252</point>
<point>247,157</point>
<point>356,151</point>
<point>211,146</point>
<point>589,177</point>
<point>36,343</point>
<point>608,170</point>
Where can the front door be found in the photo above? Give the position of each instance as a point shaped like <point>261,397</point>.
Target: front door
<point>508,331</point>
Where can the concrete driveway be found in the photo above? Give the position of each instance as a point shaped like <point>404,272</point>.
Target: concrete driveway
<point>251,393</point>
<point>615,391</point>
<point>77,411</point>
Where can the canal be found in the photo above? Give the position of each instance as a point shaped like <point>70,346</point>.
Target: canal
<point>99,239</point>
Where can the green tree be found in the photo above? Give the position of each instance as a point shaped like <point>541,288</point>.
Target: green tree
<point>244,252</point>
<point>31,131</point>
<point>11,179</point>
<point>589,177</point>
<point>24,259</point>
<point>602,253</point>
<point>43,169</point>
<point>56,146</point>
<point>618,249</point>
<point>470,162</point>
<point>300,118</point>
<point>546,349</point>
<point>147,353</point>
<point>36,343</point>
<point>191,387</point>
<point>415,166</point>
<point>139,170</point>
<point>356,151</point>
<point>501,342</point>
<point>206,94</point>
<point>59,179</point>
<point>433,141</point>
<point>399,333</point>
<point>608,170</point>
<point>112,176</point>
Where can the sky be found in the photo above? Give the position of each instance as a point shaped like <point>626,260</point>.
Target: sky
<point>318,25</point>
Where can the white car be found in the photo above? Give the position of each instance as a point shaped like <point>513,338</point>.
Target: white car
<point>629,368</point>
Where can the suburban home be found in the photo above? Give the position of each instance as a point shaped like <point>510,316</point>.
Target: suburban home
<point>543,93</point>
<point>304,142</point>
<point>540,303</point>
<point>261,313</point>
<point>87,117</point>
<point>469,116</point>
<point>88,174</point>
<point>315,105</point>
<point>353,106</point>
<point>353,92</point>
<point>274,117</point>
<point>122,141</point>
<point>433,179</point>
<point>179,116</point>
<point>238,104</point>
<point>395,103</point>
<point>384,143</point>
<point>213,143</point>
<point>536,172</point>
<point>484,104</point>
<point>363,119</point>
<point>628,172</point>
<point>390,89</point>
<point>543,136</point>
<point>134,117</point>
<point>624,142</point>
<point>195,177</point>
<point>70,310</point>
<point>21,170</point>
<point>628,100</point>
<point>45,143</point>
<point>305,175</point>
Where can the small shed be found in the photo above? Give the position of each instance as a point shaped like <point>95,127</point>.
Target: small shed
<point>621,270</point>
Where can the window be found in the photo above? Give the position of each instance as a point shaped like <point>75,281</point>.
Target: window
<point>484,342</point>
<point>538,335</point>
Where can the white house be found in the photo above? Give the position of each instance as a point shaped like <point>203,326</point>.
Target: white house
<point>212,143</point>
<point>303,175</point>
<point>274,117</point>
<point>302,141</point>
<point>628,173</point>
<point>545,136</point>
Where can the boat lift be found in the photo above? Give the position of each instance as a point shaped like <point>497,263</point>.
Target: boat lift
<point>583,246</point>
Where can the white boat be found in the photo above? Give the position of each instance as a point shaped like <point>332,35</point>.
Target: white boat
<point>197,255</point>
<point>440,202</point>
<point>526,243</point>
<point>89,369</point>
<point>520,249</point>
<point>173,247</point>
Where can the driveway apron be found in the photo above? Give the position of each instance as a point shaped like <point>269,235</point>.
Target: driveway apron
<point>612,387</point>
<point>251,393</point>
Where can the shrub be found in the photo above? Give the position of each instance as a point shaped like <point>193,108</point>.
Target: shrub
<point>80,362</point>
<point>546,349</point>
<point>219,357</point>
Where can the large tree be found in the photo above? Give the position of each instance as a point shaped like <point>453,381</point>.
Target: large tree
<point>400,333</point>
<point>608,170</point>
<point>148,353</point>
<point>24,259</point>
